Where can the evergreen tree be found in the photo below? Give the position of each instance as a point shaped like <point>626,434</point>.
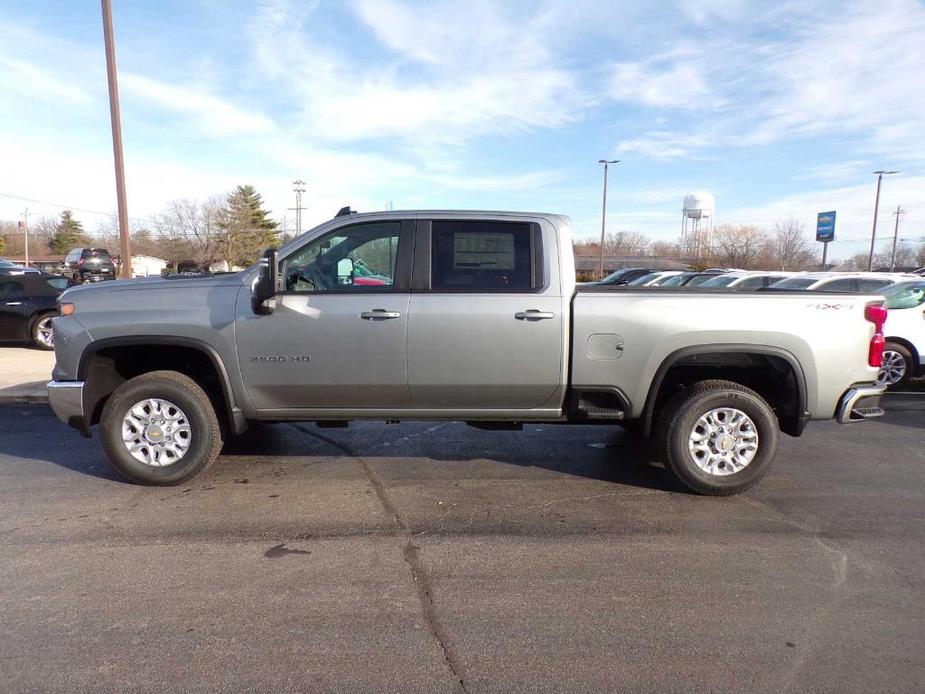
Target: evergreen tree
<point>68,234</point>
<point>247,227</point>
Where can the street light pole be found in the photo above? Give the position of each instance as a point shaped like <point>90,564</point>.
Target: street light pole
<point>873,233</point>
<point>606,163</point>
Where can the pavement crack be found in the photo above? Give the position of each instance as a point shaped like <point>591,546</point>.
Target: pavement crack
<point>422,583</point>
<point>410,553</point>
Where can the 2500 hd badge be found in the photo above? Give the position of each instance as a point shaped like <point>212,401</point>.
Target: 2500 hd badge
<point>280,359</point>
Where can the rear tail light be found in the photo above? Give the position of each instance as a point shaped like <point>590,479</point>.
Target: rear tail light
<point>80,262</point>
<point>876,314</point>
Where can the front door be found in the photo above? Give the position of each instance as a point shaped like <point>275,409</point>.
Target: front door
<point>337,338</point>
<point>486,330</point>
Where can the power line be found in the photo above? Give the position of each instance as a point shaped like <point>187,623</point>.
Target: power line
<point>65,207</point>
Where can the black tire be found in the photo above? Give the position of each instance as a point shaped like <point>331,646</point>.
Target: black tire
<point>906,355</point>
<point>183,392</point>
<point>682,413</point>
<point>37,327</point>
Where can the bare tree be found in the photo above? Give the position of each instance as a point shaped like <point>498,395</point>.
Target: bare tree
<point>788,246</point>
<point>190,230</point>
<point>738,246</point>
<point>626,243</point>
<point>906,256</point>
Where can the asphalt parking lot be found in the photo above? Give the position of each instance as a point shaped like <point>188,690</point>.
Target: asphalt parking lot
<point>435,557</point>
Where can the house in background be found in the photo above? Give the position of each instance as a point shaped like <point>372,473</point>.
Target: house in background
<point>147,266</point>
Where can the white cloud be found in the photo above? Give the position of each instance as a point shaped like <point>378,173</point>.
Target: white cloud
<point>662,144</point>
<point>457,72</point>
<point>677,86</point>
<point>26,79</point>
<point>210,114</point>
<point>855,69</point>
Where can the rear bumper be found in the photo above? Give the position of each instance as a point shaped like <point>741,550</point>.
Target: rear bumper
<point>860,403</point>
<point>67,402</point>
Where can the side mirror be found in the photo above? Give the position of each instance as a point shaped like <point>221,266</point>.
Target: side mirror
<point>345,270</point>
<point>265,287</point>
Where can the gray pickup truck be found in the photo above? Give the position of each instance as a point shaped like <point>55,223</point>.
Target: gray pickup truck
<point>470,316</point>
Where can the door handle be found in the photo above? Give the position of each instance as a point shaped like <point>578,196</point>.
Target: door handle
<point>533,314</point>
<point>14,303</point>
<point>379,314</point>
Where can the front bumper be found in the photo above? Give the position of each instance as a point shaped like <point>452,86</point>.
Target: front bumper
<point>67,402</point>
<point>859,403</point>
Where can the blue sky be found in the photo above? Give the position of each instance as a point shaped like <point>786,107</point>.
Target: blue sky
<point>779,109</point>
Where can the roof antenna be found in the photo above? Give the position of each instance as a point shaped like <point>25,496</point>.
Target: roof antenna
<point>344,211</point>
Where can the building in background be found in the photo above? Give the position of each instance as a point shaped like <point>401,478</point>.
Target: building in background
<point>147,266</point>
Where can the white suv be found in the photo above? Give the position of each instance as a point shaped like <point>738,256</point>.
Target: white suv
<point>905,332</point>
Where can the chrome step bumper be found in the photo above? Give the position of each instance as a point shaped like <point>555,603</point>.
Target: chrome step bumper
<point>860,403</point>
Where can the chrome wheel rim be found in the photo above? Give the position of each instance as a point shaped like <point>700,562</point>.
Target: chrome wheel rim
<point>44,332</point>
<point>893,368</point>
<point>156,432</point>
<point>723,441</point>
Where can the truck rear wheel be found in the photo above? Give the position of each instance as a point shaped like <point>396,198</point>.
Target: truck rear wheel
<point>718,437</point>
<point>160,429</point>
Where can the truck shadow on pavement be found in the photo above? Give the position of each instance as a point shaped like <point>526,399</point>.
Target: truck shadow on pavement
<point>606,454</point>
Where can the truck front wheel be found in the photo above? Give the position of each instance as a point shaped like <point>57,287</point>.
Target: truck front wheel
<point>718,437</point>
<point>160,429</point>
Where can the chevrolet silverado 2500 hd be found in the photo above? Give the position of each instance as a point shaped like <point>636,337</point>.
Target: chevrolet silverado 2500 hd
<point>468,316</point>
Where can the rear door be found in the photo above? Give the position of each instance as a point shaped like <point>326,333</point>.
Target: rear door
<point>13,309</point>
<point>486,326</point>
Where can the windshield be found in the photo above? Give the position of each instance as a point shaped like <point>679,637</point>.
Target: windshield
<point>905,295</point>
<point>645,279</point>
<point>616,276</point>
<point>6,263</point>
<point>795,283</point>
<point>721,281</point>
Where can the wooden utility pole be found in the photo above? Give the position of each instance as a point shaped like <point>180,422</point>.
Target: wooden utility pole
<point>124,241</point>
<point>898,213</point>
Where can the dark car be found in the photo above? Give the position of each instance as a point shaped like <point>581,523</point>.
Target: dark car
<point>89,265</point>
<point>626,275</point>
<point>10,268</point>
<point>27,305</point>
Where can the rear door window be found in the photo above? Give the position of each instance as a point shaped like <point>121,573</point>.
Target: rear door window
<point>751,283</point>
<point>843,285</point>
<point>10,289</point>
<point>476,256</point>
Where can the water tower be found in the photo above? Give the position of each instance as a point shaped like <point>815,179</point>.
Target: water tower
<point>697,223</point>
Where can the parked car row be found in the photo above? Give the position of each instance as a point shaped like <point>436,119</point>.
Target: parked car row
<point>730,278</point>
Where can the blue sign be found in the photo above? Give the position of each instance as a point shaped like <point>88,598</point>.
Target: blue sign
<point>825,226</point>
